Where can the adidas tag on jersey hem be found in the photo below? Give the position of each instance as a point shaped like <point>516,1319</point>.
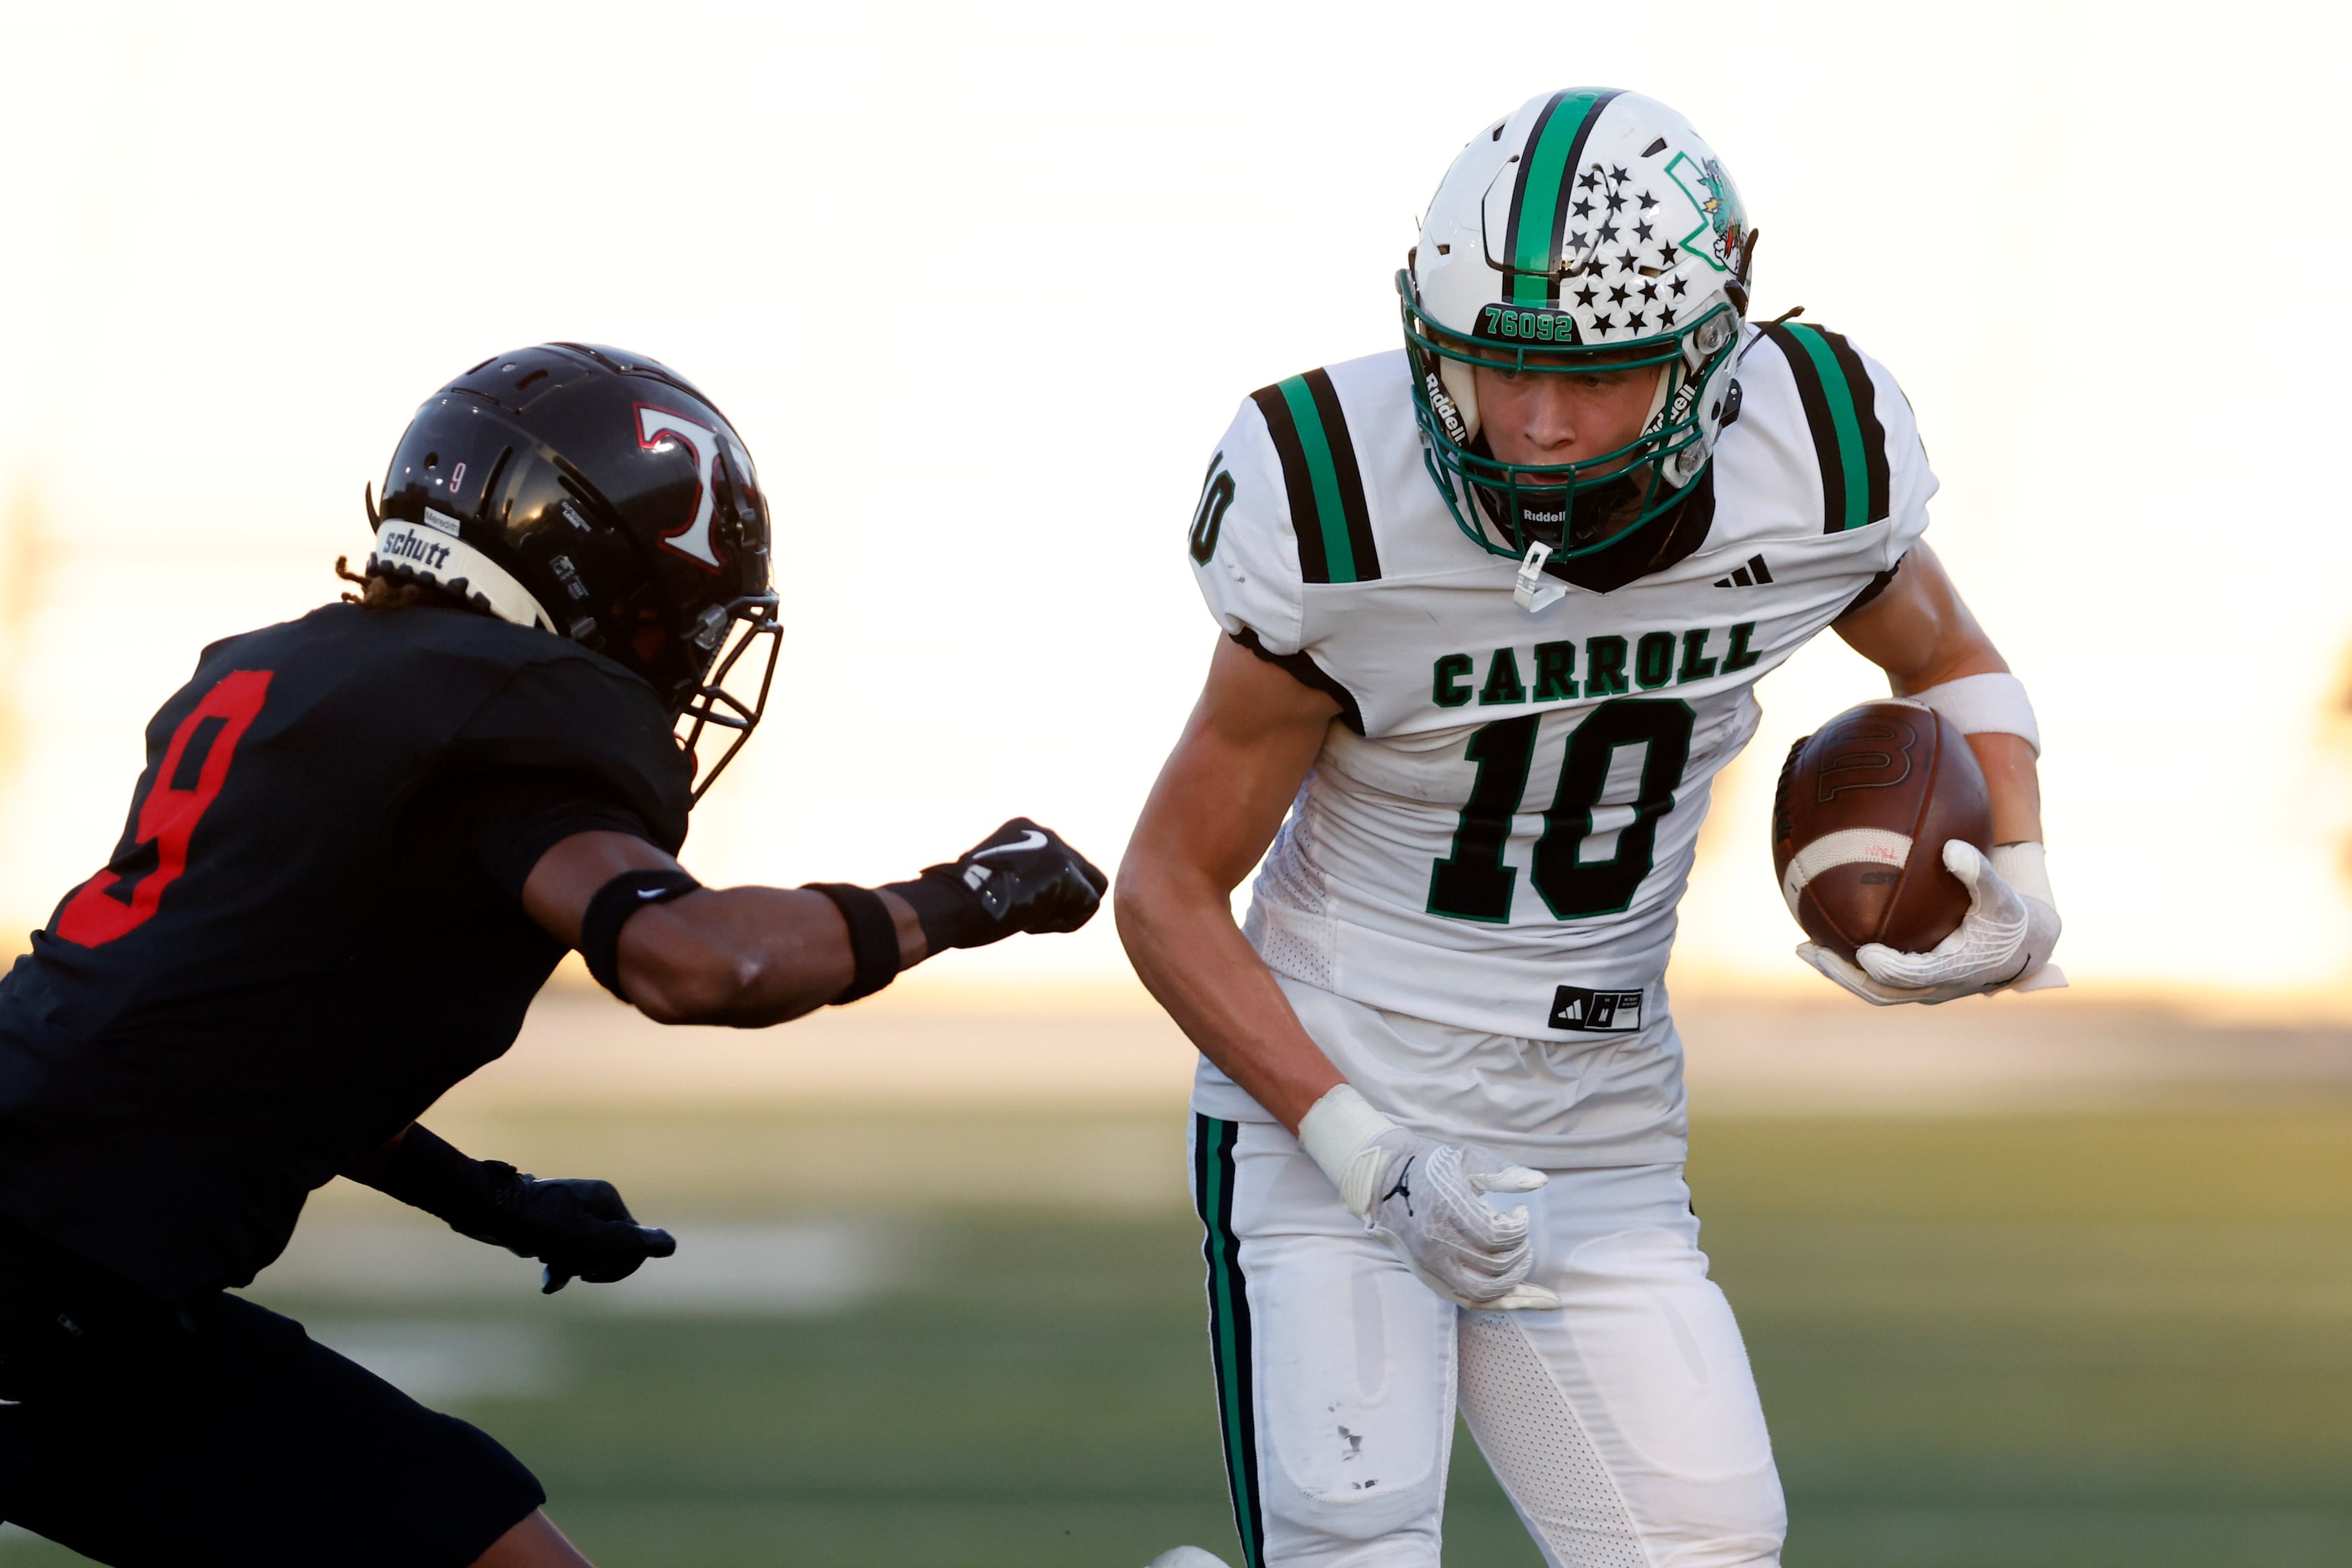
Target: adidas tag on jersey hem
<point>1586,1012</point>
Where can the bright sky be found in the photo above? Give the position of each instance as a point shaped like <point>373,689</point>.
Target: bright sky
<point>980,287</point>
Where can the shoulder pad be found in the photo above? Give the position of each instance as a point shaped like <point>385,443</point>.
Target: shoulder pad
<point>1326,489</point>
<point>1841,407</point>
<point>571,711</point>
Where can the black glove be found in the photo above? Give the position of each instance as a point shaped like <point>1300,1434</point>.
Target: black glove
<point>1021,878</point>
<point>577,1226</point>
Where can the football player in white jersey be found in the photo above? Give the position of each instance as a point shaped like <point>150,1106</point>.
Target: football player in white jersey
<point>1495,606</point>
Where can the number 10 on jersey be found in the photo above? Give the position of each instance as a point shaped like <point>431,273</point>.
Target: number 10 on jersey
<point>1474,884</point>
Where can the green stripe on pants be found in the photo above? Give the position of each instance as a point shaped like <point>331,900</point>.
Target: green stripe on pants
<point>1229,1327</point>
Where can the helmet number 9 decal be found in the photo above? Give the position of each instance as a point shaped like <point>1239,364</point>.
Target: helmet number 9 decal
<point>124,897</point>
<point>1209,517</point>
<point>656,429</point>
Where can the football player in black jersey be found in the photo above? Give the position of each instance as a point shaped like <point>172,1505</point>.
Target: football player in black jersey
<point>362,842</point>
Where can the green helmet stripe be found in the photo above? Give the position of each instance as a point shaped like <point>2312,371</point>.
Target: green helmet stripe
<point>1554,148</point>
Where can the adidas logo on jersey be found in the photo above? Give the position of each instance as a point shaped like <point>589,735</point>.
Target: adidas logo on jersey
<point>1747,576</point>
<point>1595,1011</point>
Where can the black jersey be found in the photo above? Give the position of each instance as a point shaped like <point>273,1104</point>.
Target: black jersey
<point>311,927</point>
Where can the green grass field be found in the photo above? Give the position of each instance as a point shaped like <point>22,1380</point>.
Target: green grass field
<point>2069,1341</point>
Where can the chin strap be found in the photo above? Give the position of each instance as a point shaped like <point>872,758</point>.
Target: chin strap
<point>1656,419</point>
<point>1534,595</point>
<point>435,555</point>
<point>1461,384</point>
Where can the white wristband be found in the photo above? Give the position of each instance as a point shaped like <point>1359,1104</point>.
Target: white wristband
<point>2024,868</point>
<point>1985,704</point>
<point>1337,1132</point>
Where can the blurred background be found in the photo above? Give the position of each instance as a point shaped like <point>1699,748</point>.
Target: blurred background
<point>2062,1279</point>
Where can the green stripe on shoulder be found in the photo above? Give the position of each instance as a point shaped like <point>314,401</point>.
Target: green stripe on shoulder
<point>1328,508</point>
<point>1841,406</point>
<point>1842,423</point>
<point>1315,445</point>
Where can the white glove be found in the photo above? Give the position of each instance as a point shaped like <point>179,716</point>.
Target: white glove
<point>2003,943</point>
<point>1427,1201</point>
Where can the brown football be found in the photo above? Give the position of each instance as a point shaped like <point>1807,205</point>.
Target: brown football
<point>1859,824</point>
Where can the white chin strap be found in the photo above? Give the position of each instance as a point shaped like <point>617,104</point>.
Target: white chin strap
<point>450,564</point>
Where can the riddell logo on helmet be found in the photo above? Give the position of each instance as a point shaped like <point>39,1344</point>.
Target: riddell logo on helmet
<point>1455,430</point>
<point>1685,396</point>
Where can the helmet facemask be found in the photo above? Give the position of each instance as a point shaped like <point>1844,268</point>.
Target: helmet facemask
<point>724,638</point>
<point>1570,509</point>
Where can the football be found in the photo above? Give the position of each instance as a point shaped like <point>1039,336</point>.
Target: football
<point>1864,809</point>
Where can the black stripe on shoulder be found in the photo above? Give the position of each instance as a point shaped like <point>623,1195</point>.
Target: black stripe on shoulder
<point>1301,667</point>
<point>1313,566</point>
<point>1818,419</point>
<point>1865,412</point>
<point>1351,479</point>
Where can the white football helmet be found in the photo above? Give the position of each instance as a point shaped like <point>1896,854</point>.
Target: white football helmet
<point>1592,230</point>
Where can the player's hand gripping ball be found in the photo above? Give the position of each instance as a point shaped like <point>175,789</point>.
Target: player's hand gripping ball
<point>1860,820</point>
<point>1880,828</point>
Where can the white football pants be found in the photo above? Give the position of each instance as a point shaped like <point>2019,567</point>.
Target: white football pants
<point>1624,1426</point>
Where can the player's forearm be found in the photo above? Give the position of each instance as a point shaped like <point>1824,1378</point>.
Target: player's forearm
<point>368,1168</point>
<point>1179,933</point>
<point>684,954</point>
<point>2014,783</point>
<point>1921,634</point>
<point>747,957</point>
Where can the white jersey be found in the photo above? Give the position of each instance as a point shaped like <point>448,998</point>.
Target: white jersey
<point>1496,834</point>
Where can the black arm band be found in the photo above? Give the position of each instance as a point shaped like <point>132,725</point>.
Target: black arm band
<point>873,938</point>
<point>609,911</point>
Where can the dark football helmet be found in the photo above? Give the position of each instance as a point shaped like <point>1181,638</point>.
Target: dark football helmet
<point>596,494</point>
